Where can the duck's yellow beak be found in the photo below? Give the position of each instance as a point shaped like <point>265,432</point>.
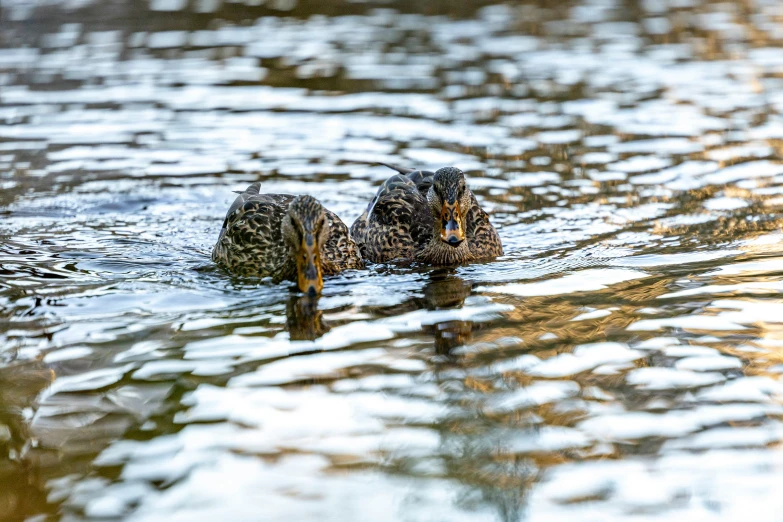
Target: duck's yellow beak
<point>308,266</point>
<point>451,230</point>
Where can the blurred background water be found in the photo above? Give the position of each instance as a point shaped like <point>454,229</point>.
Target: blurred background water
<point>622,361</point>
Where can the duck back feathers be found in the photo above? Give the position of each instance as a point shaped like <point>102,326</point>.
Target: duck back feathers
<point>251,239</point>
<point>400,224</point>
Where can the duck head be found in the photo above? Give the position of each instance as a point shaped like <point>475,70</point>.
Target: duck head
<point>305,230</point>
<point>449,202</point>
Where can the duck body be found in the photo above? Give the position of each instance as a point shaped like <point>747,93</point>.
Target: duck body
<point>427,217</point>
<point>285,237</point>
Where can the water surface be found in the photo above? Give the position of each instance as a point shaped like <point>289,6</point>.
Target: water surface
<point>621,362</point>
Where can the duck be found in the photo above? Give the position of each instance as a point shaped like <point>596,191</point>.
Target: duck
<point>427,217</point>
<point>285,237</point>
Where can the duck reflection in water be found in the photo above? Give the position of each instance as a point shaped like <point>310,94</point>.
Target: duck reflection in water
<point>443,290</point>
<point>446,290</point>
<point>304,320</point>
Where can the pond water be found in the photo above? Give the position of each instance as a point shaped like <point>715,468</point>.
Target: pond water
<point>622,361</point>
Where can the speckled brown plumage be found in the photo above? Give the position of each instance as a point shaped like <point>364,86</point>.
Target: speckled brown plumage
<point>261,231</point>
<point>404,220</point>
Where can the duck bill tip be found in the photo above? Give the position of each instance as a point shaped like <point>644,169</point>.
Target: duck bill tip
<point>451,231</point>
<point>310,278</point>
<point>312,288</point>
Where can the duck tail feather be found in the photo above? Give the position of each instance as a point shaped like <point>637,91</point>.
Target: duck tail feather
<point>401,170</point>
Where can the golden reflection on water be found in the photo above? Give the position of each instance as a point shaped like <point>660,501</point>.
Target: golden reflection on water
<point>600,137</point>
<point>22,487</point>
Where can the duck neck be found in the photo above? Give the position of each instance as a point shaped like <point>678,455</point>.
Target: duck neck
<point>436,252</point>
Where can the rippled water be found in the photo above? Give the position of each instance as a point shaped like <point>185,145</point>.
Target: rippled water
<point>622,361</point>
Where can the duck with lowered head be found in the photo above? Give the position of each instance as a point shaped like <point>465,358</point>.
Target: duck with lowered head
<point>427,217</point>
<point>284,237</point>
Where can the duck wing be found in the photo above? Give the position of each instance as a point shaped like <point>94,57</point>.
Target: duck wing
<point>253,194</point>
<point>421,178</point>
<point>396,223</point>
<point>250,240</point>
<point>482,237</point>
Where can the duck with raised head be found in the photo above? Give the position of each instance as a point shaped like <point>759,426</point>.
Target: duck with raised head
<point>426,217</point>
<point>284,237</point>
